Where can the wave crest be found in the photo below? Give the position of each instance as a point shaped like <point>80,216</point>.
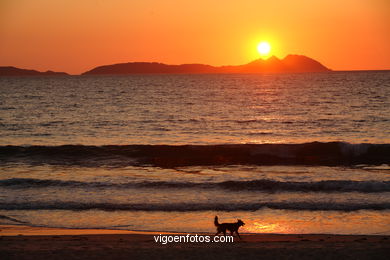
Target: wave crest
<point>78,206</point>
<point>315,153</point>
<point>251,185</point>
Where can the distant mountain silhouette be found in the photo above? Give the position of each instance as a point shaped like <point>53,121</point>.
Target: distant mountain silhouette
<point>13,71</point>
<point>290,64</point>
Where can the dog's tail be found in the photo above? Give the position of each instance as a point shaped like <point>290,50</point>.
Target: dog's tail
<point>216,221</point>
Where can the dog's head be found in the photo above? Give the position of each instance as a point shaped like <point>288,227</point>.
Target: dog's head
<point>240,222</point>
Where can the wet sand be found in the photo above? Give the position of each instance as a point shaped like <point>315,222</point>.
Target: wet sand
<point>20,242</point>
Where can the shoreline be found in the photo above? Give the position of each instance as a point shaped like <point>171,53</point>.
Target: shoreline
<point>21,242</point>
<point>24,230</point>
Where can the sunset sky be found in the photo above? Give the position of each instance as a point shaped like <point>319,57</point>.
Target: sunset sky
<point>77,35</point>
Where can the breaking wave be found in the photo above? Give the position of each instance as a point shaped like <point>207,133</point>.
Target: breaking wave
<point>315,153</point>
<point>78,206</point>
<point>250,185</point>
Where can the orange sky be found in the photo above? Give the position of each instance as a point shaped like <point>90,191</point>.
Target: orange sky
<point>77,35</point>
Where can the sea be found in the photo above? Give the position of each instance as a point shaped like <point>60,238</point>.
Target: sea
<point>285,153</point>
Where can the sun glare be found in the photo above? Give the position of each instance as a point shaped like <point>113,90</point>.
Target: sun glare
<point>264,48</point>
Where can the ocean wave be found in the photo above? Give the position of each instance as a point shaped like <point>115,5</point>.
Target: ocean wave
<point>3,217</point>
<point>250,185</point>
<point>79,206</point>
<point>315,153</point>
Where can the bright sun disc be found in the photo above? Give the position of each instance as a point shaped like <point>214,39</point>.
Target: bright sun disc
<point>264,48</point>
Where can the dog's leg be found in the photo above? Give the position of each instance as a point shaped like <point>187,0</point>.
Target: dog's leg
<point>238,234</point>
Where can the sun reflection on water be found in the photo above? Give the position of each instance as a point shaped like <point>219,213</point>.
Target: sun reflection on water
<point>257,227</point>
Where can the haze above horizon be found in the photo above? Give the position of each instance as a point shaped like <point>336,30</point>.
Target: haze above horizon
<point>74,36</point>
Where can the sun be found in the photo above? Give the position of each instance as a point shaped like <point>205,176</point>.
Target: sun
<point>264,48</point>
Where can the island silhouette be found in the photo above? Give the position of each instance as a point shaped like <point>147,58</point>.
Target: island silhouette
<point>290,64</point>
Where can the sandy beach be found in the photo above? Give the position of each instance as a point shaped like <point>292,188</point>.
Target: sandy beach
<point>20,242</point>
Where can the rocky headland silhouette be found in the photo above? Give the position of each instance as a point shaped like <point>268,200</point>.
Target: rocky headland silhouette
<point>13,71</point>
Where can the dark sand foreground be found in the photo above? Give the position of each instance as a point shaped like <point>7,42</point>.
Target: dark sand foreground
<point>17,242</point>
